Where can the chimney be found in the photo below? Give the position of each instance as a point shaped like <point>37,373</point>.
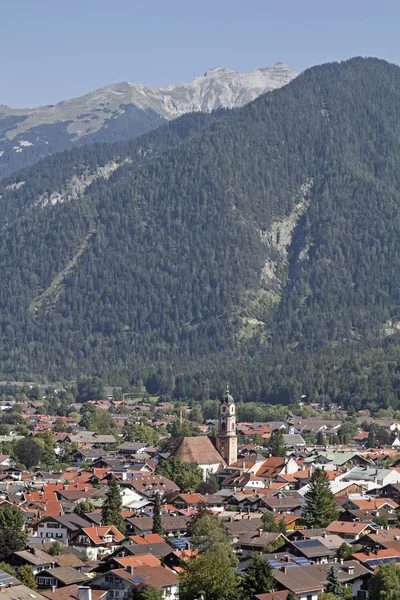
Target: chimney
<point>350,570</point>
<point>260,532</point>
<point>130,569</point>
<point>341,561</point>
<point>84,592</point>
<point>284,570</point>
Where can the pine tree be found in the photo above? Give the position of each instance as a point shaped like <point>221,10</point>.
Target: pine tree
<point>259,576</point>
<point>320,509</point>
<point>333,585</point>
<point>157,524</point>
<point>386,579</point>
<point>27,577</point>
<point>276,445</point>
<point>290,596</point>
<point>111,510</point>
<point>321,439</point>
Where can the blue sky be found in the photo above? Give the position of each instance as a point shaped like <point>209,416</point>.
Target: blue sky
<point>57,49</point>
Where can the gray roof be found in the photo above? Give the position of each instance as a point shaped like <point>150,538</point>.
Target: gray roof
<point>66,575</point>
<point>366,474</point>
<point>293,439</point>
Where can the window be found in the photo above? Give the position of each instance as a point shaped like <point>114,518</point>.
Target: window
<point>309,597</point>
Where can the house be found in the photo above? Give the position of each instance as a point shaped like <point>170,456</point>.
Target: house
<point>148,485</point>
<point>89,455</point>
<point>349,531</point>
<point>298,581</point>
<point>60,528</point>
<point>37,559</point>
<point>188,500</point>
<point>19,591</point>
<point>313,550</point>
<point>293,440</point>
<point>371,477</point>
<point>256,541</point>
<point>96,542</point>
<point>74,592</point>
<point>158,549</point>
<point>308,581</point>
<point>285,504</point>
<point>373,560</point>
<point>119,581</point>
<point>91,437</point>
<point>123,562</point>
<point>274,466</point>
<point>128,448</point>
<point>273,595</point>
<point>240,481</point>
<point>171,525</point>
<point>59,577</point>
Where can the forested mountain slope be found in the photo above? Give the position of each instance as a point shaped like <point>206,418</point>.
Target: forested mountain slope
<point>272,228</point>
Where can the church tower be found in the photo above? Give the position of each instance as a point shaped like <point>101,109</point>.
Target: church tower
<point>226,437</point>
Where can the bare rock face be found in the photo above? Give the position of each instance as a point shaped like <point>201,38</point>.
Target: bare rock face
<point>217,88</point>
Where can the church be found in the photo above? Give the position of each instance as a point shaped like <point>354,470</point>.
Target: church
<point>212,458</point>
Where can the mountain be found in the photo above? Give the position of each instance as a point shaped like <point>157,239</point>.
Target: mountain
<point>261,236</point>
<point>123,111</point>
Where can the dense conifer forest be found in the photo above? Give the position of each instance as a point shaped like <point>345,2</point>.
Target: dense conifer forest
<point>259,246</point>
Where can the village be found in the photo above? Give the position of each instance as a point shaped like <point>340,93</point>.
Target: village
<point>116,499</point>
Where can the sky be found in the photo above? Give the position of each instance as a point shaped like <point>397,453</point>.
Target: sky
<point>57,49</point>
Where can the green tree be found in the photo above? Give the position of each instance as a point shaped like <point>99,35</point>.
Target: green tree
<point>212,574</point>
<point>276,445</point>
<point>56,548</point>
<point>321,439</point>
<point>85,506</point>
<point>187,476</point>
<point>143,592</point>
<point>48,445</point>
<point>111,509</point>
<point>325,596</point>
<point>157,523</point>
<point>60,426</point>
<point>333,585</point>
<point>90,388</point>
<point>141,433</point>
<point>196,415</point>
<point>7,568</point>
<point>29,452</point>
<point>271,524</point>
<point>345,551</point>
<point>12,519</point>
<point>321,508</point>
<point>10,542</point>
<point>102,422</point>
<point>27,577</point>
<point>385,583</point>
<point>259,577</point>
<point>290,596</point>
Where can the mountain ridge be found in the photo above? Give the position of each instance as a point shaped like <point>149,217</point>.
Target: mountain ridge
<point>124,110</point>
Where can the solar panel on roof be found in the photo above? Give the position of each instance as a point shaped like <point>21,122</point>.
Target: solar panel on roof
<point>301,561</point>
<point>309,544</point>
<point>6,579</point>
<point>136,579</point>
<point>179,543</point>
